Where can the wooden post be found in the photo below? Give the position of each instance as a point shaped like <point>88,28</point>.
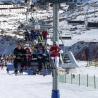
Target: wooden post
<point>71,78</point>
<point>65,78</point>
<point>87,80</point>
<point>94,81</point>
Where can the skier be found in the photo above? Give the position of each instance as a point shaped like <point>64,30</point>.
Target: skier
<point>45,35</point>
<point>28,57</point>
<point>23,58</point>
<point>17,58</point>
<point>40,57</point>
<point>55,53</point>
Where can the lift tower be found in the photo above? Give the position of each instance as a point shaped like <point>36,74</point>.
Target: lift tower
<point>55,90</point>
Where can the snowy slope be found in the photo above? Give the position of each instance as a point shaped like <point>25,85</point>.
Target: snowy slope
<point>39,87</point>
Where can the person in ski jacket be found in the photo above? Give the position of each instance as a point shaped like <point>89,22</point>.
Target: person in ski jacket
<point>55,53</point>
<point>17,57</point>
<point>45,35</point>
<point>28,57</point>
<point>40,56</point>
<point>23,58</point>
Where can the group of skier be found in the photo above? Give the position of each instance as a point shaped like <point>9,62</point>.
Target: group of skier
<point>36,55</point>
<point>26,57</point>
<point>36,36</point>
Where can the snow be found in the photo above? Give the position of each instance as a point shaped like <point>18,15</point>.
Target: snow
<point>87,36</point>
<point>84,69</point>
<point>88,70</point>
<point>38,86</point>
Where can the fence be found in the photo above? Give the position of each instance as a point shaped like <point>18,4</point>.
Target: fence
<point>86,80</point>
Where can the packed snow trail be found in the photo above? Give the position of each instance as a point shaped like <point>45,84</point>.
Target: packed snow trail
<point>30,86</point>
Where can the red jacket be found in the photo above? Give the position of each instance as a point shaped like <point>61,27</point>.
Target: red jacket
<point>54,51</point>
<point>45,34</point>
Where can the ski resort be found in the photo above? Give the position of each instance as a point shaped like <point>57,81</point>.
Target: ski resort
<point>48,48</point>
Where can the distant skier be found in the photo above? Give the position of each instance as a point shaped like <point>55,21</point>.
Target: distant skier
<point>45,35</point>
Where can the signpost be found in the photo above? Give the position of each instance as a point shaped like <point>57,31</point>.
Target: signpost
<point>55,90</point>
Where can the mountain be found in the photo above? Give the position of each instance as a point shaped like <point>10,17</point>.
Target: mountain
<point>34,1</point>
<point>15,1</point>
